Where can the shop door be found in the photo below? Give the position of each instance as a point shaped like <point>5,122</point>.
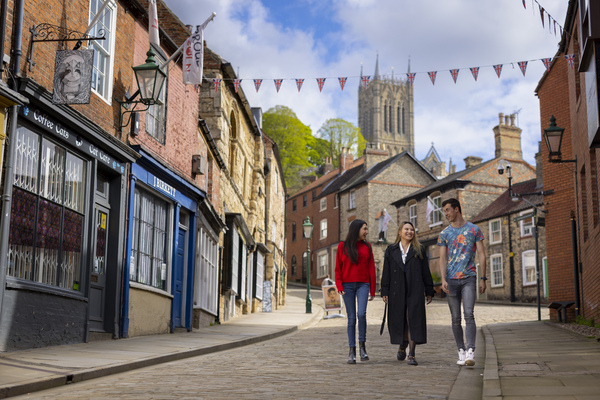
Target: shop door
<point>178,278</point>
<point>98,271</point>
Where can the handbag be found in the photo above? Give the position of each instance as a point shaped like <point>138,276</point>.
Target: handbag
<point>383,322</point>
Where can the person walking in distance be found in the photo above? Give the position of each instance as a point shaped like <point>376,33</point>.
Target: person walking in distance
<point>458,243</point>
<point>355,281</point>
<point>405,283</point>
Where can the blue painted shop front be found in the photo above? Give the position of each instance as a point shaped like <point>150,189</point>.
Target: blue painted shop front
<point>160,247</point>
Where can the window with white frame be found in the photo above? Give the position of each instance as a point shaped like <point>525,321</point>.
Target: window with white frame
<point>412,214</point>
<point>336,200</point>
<point>235,256</point>
<point>352,200</point>
<point>102,71</point>
<point>323,229</point>
<point>526,224</point>
<point>529,277</point>
<point>156,124</point>
<point>495,231</point>
<point>322,264</point>
<point>206,288</point>
<point>333,258</point>
<point>323,204</point>
<point>496,270</point>
<point>260,267</point>
<point>243,274</point>
<point>436,214</point>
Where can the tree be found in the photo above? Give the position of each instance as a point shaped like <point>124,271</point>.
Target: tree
<point>318,151</point>
<point>340,133</point>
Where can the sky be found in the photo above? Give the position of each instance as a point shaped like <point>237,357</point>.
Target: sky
<point>310,39</point>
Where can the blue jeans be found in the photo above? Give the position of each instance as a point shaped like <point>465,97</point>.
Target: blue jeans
<point>356,293</point>
<point>466,290</point>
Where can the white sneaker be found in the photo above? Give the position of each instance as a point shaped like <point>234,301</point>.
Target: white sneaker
<point>470,358</point>
<point>461,357</point>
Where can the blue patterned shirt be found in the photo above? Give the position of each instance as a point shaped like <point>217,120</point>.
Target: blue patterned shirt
<point>461,249</point>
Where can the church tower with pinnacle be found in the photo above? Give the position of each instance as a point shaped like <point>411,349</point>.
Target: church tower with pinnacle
<point>385,112</point>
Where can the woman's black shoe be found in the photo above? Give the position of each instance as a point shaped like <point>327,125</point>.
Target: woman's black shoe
<point>352,356</point>
<point>412,361</point>
<point>401,354</point>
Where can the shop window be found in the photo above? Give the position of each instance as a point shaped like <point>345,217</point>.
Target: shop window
<point>149,244</point>
<point>496,270</point>
<point>102,72</point>
<point>47,213</point>
<point>156,121</point>
<point>206,290</point>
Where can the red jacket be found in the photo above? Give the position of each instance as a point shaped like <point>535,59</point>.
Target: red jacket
<point>346,271</point>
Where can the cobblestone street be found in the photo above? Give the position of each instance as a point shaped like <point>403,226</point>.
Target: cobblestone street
<point>308,364</point>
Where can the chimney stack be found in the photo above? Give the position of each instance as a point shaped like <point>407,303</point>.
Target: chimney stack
<point>472,161</point>
<point>508,138</point>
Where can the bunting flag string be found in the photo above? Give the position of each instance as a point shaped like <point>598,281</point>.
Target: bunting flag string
<point>543,13</point>
<point>365,80</point>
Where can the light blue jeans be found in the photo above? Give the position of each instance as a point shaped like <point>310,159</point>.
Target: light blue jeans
<point>464,290</point>
<point>356,293</point>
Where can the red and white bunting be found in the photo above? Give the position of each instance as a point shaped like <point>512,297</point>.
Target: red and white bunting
<point>475,72</point>
<point>571,60</point>
<point>523,66</point>
<point>365,80</point>
<point>236,84</point>
<point>257,83</point>
<point>217,82</point>
<point>547,62</point>
<point>299,83</point>
<point>321,82</point>
<point>411,78</point>
<point>278,83</point>
<point>342,82</point>
<point>498,69</point>
<point>432,76</point>
<point>454,73</point>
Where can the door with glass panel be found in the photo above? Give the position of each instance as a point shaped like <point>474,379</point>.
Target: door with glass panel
<point>98,270</point>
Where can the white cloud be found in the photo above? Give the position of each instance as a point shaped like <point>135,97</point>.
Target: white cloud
<point>437,35</point>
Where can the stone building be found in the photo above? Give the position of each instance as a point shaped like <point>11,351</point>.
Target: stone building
<point>567,92</point>
<point>476,187</point>
<point>385,113</point>
<point>510,245</point>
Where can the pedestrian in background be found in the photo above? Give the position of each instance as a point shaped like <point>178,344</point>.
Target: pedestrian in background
<point>458,243</point>
<point>405,284</point>
<point>355,281</point>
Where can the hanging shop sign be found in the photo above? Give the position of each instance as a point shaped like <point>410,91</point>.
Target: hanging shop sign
<point>73,76</point>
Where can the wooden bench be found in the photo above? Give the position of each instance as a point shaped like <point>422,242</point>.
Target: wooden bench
<point>561,309</point>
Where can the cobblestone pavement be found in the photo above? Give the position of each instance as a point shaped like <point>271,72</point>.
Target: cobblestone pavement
<point>307,364</point>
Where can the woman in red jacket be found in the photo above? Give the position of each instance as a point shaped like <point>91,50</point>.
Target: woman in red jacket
<point>355,280</point>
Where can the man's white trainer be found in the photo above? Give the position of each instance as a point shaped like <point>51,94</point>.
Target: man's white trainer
<point>461,357</point>
<point>470,358</point>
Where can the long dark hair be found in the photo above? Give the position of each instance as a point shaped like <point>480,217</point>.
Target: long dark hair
<point>351,239</point>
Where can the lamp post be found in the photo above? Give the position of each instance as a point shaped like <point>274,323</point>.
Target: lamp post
<point>553,136</point>
<point>505,165</point>
<point>307,229</point>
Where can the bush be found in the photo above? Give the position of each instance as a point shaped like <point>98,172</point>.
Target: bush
<point>586,322</point>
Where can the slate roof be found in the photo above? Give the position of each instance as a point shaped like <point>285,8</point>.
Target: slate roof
<point>504,205</point>
<point>325,179</point>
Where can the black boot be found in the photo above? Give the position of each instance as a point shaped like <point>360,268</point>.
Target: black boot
<point>363,352</point>
<point>352,356</point>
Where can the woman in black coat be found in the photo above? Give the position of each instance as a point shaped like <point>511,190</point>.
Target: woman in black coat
<point>405,283</point>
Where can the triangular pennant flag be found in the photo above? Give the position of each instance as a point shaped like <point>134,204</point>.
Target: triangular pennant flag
<point>454,73</point>
<point>217,82</point>
<point>547,62</point>
<point>475,72</point>
<point>365,80</point>
<point>498,69</point>
<point>342,82</point>
<point>321,82</point>
<point>571,60</point>
<point>432,75</point>
<point>523,66</point>
<point>236,84</point>
<point>299,83</point>
<point>278,83</point>
<point>524,6</point>
<point>257,83</point>
<point>411,77</point>
<point>542,15</point>
<point>555,28</point>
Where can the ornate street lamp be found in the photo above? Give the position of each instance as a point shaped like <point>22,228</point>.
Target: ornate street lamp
<point>150,79</point>
<point>307,229</point>
<point>553,137</point>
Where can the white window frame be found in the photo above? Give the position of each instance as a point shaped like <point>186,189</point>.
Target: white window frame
<point>260,268</point>
<point>323,204</point>
<point>496,270</point>
<point>206,289</point>
<point>235,254</point>
<point>530,256</point>
<point>352,200</point>
<point>412,214</point>
<point>107,88</point>
<point>436,214</point>
<point>323,230</point>
<point>322,264</point>
<point>526,225</point>
<point>336,200</point>
<point>498,231</point>
<point>243,265</point>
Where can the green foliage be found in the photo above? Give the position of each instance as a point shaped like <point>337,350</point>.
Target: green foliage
<point>318,151</point>
<point>340,133</point>
<point>584,321</point>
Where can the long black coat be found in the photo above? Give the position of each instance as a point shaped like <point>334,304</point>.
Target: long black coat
<point>406,287</point>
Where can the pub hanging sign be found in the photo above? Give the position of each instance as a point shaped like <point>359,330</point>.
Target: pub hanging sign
<point>73,76</point>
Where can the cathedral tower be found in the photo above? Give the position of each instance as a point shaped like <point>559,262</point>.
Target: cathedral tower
<point>385,112</point>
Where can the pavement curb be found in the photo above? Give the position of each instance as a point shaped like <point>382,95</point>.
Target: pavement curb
<point>491,379</point>
<point>61,379</point>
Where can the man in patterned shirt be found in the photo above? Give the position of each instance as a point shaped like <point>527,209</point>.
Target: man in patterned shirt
<point>458,244</point>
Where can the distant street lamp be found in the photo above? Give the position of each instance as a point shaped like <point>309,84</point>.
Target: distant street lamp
<point>307,229</point>
<point>553,136</point>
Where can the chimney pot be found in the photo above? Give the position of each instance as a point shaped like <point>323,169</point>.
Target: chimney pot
<point>501,117</point>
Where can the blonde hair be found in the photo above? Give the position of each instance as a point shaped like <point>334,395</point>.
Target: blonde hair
<point>415,240</point>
